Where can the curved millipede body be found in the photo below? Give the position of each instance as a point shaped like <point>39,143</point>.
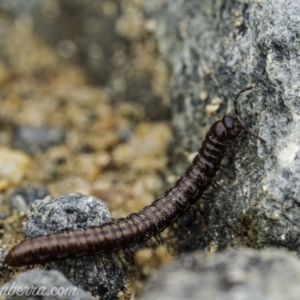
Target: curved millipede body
<point>137,227</point>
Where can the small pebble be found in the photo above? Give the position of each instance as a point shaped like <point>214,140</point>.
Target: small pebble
<point>3,253</point>
<point>203,95</point>
<point>38,139</point>
<point>67,212</point>
<point>13,166</point>
<point>214,105</point>
<point>124,133</point>
<point>20,198</point>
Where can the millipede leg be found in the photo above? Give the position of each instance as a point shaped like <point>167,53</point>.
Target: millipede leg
<point>102,265</point>
<point>217,186</point>
<point>238,157</point>
<point>83,267</point>
<point>139,227</point>
<point>119,256</point>
<point>207,195</point>
<point>229,169</point>
<point>158,239</point>
<point>226,174</point>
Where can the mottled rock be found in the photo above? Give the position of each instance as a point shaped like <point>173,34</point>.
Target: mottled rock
<point>3,252</point>
<point>41,284</point>
<point>67,212</point>
<point>234,274</point>
<point>4,269</point>
<point>102,276</point>
<point>20,198</point>
<point>13,166</point>
<point>37,139</point>
<point>216,48</point>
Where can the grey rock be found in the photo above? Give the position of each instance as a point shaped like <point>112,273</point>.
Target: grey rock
<point>4,269</point>
<point>216,48</point>
<point>3,253</point>
<point>67,212</point>
<point>232,275</point>
<point>124,134</point>
<point>41,284</point>
<point>102,276</point>
<point>3,215</point>
<point>38,139</point>
<point>21,198</point>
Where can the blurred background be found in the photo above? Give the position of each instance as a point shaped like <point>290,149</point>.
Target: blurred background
<point>84,106</point>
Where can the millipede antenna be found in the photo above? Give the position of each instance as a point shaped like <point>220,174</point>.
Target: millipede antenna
<point>236,111</point>
<point>238,95</point>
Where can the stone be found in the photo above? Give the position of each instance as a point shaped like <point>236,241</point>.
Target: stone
<point>38,139</point>
<point>102,276</point>
<point>20,198</point>
<point>13,166</point>
<point>216,49</point>
<point>4,269</point>
<point>233,274</point>
<point>67,212</point>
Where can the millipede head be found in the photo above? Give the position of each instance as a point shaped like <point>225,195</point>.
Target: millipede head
<point>233,126</point>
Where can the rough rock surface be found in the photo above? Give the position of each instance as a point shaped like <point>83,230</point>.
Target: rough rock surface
<point>102,276</point>
<point>4,269</point>
<point>41,284</point>
<point>234,274</point>
<point>67,212</point>
<point>215,48</point>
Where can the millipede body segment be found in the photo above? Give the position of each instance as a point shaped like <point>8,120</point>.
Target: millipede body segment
<point>149,221</point>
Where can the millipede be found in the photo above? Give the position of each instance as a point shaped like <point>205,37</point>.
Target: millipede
<point>138,227</point>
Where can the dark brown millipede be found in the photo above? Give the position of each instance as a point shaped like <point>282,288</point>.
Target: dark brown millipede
<point>150,220</point>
